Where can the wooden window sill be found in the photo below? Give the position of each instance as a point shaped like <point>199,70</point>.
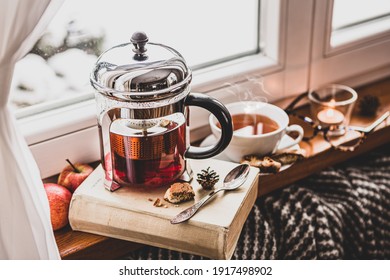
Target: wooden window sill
<point>80,245</point>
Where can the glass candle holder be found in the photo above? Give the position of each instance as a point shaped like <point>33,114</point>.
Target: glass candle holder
<point>331,106</point>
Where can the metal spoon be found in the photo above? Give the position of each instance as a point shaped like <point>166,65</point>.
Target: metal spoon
<point>233,180</point>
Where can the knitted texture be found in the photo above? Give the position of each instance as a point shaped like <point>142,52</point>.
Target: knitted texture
<point>342,212</point>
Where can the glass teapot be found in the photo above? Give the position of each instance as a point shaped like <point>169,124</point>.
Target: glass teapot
<point>143,98</point>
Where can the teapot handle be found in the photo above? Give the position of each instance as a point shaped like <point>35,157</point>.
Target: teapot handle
<point>223,116</point>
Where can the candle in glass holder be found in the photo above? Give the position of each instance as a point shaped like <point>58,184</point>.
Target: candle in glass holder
<point>330,116</point>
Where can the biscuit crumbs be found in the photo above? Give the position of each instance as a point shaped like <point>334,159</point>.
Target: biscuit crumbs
<point>157,203</point>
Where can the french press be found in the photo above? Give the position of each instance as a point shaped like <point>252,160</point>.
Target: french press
<point>143,99</point>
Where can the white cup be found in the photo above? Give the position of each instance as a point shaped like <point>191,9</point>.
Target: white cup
<point>262,144</point>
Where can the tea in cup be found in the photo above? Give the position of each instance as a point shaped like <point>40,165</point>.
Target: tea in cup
<point>258,128</point>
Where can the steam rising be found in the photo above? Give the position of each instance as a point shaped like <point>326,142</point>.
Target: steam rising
<point>251,89</point>
<point>253,95</point>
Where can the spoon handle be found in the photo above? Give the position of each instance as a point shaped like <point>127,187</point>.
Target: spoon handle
<point>189,212</point>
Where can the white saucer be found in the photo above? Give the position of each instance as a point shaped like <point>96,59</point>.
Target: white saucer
<point>211,140</point>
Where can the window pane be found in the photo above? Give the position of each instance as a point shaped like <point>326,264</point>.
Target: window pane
<point>356,19</point>
<point>204,32</point>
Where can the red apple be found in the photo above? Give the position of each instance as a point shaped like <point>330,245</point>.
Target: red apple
<point>59,200</point>
<point>73,175</point>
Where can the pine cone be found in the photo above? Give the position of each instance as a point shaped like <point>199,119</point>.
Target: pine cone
<point>207,178</point>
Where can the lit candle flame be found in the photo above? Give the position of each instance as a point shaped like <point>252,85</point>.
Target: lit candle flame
<point>330,116</point>
<point>330,113</point>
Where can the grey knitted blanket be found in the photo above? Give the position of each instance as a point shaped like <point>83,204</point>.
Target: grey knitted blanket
<point>342,212</point>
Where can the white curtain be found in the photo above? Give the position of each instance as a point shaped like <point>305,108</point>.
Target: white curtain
<point>25,228</point>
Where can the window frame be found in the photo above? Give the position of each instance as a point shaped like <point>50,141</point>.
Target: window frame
<point>290,65</point>
<point>71,132</point>
<point>355,63</point>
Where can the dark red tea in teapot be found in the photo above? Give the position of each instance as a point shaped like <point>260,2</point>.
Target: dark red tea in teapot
<point>148,157</point>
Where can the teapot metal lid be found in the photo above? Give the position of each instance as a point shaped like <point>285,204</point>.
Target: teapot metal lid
<point>141,71</point>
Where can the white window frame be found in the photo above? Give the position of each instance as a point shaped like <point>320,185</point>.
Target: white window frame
<point>354,63</point>
<point>294,61</point>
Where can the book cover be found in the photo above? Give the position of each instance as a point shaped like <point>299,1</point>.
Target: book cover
<point>130,214</point>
